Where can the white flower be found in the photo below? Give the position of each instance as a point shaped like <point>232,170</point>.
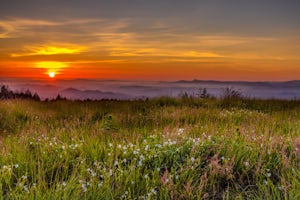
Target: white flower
<point>16,166</point>
<point>116,163</point>
<point>154,191</point>
<point>246,164</point>
<point>84,188</point>
<point>180,131</point>
<point>140,163</point>
<point>26,188</point>
<point>192,159</point>
<point>268,174</point>
<point>93,173</point>
<point>146,176</point>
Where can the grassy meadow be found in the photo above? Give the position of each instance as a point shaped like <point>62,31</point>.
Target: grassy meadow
<point>162,148</point>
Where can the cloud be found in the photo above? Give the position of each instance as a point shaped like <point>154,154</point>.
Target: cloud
<point>128,40</point>
<point>50,50</point>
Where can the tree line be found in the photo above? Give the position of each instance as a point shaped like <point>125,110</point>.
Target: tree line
<point>7,93</point>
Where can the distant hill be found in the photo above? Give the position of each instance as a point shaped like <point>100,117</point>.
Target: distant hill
<point>72,93</point>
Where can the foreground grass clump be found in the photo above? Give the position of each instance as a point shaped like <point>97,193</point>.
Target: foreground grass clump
<point>155,149</point>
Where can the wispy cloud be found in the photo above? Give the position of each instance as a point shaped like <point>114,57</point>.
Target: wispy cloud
<point>50,50</point>
<point>127,40</point>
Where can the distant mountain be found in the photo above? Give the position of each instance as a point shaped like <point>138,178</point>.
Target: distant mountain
<point>72,93</point>
<point>293,83</point>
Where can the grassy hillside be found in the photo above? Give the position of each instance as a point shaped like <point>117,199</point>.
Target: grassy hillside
<point>156,149</point>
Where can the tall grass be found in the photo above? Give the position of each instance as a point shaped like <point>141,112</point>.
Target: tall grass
<point>155,149</point>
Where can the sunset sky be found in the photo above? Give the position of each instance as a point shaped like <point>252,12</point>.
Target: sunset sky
<point>150,39</point>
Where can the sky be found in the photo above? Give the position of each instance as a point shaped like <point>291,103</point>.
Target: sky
<point>257,40</point>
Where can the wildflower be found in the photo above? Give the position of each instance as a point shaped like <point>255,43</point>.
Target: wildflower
<point>246,164</point>
<point>192,159</point>
<point>26,188</point>
<point>142,157</point>
<point>180,131</point>
<point>146,176</point>
<point>16,165</point>
<point>140,163</point>
<point>84,188</point>
<point>116,163</point>
<point>64,184</point>
<point>93,173</point>
<point>268,174</point>
<point>24,177</point>
<point>153,190</point>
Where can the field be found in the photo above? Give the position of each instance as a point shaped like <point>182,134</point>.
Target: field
<point>162,148</point>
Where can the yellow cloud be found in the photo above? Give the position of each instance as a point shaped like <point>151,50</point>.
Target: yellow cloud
<point>50,50</point>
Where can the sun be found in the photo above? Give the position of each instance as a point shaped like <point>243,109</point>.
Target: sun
<point>51,74</point>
